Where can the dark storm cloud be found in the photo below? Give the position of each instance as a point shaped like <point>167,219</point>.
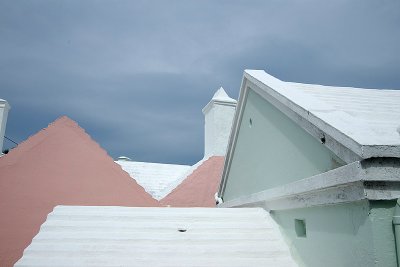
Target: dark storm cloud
<point>135,74</point>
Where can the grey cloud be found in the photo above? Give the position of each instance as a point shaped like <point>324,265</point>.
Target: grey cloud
<point>135,74</point>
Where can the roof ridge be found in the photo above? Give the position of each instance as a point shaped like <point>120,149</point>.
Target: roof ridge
<point>62,120</point>
<point>37,134</point>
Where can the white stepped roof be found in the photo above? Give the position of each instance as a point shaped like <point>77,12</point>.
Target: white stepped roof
<point>154,177</point>
<point>365,120</point>
<point>124,236</point>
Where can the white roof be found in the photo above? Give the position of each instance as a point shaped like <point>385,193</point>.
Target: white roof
<point>368,118</point>
<point>154,177</point>
<point>158,237</point>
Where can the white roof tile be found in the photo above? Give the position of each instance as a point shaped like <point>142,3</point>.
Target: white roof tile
<point>376,112</point>
<point>154,177</point>
<point>125,236</point>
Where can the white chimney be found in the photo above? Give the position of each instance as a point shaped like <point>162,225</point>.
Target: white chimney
<point>4,107</point>
<point>218,115</point>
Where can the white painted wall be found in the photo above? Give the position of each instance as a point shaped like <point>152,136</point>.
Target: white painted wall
<point>4,108</point>
<point>218,115</point>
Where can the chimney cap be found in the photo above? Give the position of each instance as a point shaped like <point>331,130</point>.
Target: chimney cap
<point>4,104</point>
<point>220,97</point>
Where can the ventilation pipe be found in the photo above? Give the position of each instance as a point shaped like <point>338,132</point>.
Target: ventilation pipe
<point>4,108</point>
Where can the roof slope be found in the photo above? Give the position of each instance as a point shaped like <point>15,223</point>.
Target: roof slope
<point>153,177</point>
<point>157,237</point>
<point>59,165</point>
<point>365,120</point>
<point>199,188</point>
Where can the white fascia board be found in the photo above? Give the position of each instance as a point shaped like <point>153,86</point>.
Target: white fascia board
<point>372,179</point>
<point>233,136</point>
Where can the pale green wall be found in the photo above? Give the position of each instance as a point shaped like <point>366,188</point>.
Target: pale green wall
<point>357,234</point>
<point>381,216</point>
<point>273,151</point>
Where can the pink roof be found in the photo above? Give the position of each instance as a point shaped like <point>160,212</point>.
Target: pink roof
<point>59,165</point>
<point>199,188</point>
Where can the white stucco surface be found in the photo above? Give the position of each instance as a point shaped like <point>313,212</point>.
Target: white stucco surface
<point>155,178</point>
<point>365,120</point>
<point>218,116</point>
<point>125,236</point>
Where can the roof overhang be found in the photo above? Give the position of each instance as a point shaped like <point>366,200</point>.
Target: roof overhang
<point>371,179</point>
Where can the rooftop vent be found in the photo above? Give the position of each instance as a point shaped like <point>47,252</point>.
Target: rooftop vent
<point>4,107</point>
<point>123,158</point>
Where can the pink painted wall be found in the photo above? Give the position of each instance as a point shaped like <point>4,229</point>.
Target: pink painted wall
<point>199,188</point>
<point>59,165</point>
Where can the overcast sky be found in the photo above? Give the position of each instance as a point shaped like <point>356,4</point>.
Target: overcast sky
<point>136,74</point>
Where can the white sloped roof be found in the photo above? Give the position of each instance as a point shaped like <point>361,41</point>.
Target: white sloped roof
<point>154,177</point>
<point>158,237</point>
<point>365,120</point>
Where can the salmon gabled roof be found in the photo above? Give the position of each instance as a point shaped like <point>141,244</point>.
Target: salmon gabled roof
<point>199,188</point>
<point>59,165</point>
